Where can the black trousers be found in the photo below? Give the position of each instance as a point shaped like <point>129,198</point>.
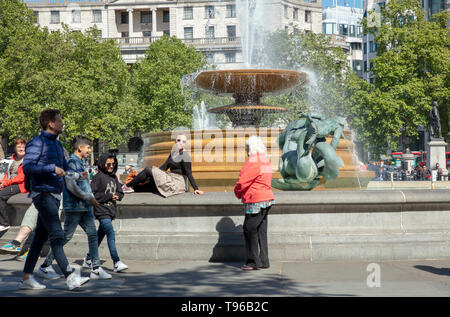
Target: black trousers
<point>142,177</point>
<point>5,194</point>
<point>255,234</point>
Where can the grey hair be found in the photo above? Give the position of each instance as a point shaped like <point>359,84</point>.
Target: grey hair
<point>255,145</point>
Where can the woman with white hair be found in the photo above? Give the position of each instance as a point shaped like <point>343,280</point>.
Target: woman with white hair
<point>254,189</point>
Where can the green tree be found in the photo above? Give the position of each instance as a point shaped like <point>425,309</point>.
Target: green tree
<point>411,70</point>
<point>326,67</point>
<point>86,79</point>
<point>156,80</point>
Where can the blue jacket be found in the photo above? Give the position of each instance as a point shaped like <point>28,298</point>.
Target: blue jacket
<point>77,193</point>
<point>43,153</point>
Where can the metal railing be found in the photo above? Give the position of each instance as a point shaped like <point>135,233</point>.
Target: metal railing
<point>216,41</point>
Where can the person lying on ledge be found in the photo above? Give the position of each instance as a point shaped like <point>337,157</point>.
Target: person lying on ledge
<point>158,180</point>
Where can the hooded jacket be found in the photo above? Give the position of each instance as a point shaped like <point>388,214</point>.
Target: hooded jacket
<point>103,186</point>
<point>77,192</point>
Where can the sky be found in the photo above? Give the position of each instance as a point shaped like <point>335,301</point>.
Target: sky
<point>349,3</point>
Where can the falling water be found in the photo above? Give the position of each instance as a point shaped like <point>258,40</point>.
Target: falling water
<point>202,119</point>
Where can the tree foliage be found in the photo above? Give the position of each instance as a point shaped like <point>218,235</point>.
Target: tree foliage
<point>326,67</point>
<point>411,70</point>
<point>83,77</point>
<point>156,82</point>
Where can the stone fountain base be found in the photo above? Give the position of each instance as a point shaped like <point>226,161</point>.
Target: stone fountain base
<point>218,155</point>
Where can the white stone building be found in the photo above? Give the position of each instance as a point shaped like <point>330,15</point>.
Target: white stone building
<point>211,26</point>
<point>343,25</point>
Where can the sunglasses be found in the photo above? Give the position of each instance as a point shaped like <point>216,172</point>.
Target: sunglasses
<point>109,164</point>
<point>179,140</point>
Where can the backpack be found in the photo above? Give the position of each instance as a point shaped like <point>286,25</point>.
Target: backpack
<point>27,176</point>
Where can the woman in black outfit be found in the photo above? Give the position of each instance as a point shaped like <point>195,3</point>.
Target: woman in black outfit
<point>155,180</point>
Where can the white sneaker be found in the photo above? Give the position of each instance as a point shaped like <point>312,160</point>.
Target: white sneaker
<point>4,228</point>
<point>100,274</point>
<point>127,190</point>
<point>120,266</point>
<point>73,281</point>
<point>87,263</point>
<point>31,283</point>
<point>47,273</point>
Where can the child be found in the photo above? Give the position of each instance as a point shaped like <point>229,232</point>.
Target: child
<point>107,190</point>
<point>77,205</point>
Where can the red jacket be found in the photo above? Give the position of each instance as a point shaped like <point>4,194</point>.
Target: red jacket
<point>19,179</point>
<point>255,180</point>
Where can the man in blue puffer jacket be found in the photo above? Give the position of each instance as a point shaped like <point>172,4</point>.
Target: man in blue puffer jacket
<point>45,164</point>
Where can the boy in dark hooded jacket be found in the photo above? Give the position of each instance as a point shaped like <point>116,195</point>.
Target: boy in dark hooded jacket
<point>107,190</point>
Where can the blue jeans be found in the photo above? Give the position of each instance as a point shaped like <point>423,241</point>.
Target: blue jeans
<point>86,220</point>
<point>106,228</point>
<point>48,227</point>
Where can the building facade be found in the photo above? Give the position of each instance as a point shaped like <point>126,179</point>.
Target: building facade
<point>212,27</point>
<point>343,25</point>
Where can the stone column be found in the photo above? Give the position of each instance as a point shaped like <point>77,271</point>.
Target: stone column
<point>154,22</point>
<point>130,22</point>
<point>436,154</point>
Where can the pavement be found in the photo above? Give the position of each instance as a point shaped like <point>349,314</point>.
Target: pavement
<point>190,279</point>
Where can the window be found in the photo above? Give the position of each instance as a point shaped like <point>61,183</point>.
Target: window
<point>54,17</point>
<point>146,17</point>
<point>230,57</point>
<point>343,29</point>
<point>231,32</point>
<point>295,14</point>
<point>188,13</point>
<point>147,34</point>
<point>231,11</point>
<point>36,16</point>
<point>357,65</point>
<point>328,28</point>
<point>76,16</point>
<point>124,17</point>
<point>209,58</point>
<point>188,33</point>
<point>356,46</point>
<point>97,16</point>
<point>209,12</point>
<point>286,12</point>
<point>365,48</point>
<point>371,47</point>
<point>210,32</point>
<point>352,30</point>
<point>166,16</point>
<point>308,17</point>
<point>166,32</point>
<point>365,66</point>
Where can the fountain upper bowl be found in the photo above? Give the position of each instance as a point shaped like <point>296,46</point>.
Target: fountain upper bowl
<point>249,81</point>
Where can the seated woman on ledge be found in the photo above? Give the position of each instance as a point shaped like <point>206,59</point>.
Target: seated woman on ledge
<point>157,180</point>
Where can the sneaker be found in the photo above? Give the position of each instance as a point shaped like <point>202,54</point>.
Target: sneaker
<point>48,273</point>
<point>4,228</point>
<point>127,190</point>
<point>87,263</point>
<point>119,266</point>
<point>100,274</point>
<point>10,247</point>
<point>74,280</point>
<point>22,257</point>
<point>31,283</point>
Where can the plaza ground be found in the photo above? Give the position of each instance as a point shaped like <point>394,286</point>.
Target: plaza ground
<point>413,278</point>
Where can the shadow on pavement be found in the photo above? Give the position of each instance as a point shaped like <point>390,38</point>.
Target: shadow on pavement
<point>434,270</point>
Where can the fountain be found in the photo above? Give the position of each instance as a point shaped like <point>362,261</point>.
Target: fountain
<point>218,155</point>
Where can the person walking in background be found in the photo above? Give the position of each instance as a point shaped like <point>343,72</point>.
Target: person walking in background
<point>77,204</point>
<point>107,191</point>
<point>12,183</point>
<point>254,189</point>
<point>44,162</point>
